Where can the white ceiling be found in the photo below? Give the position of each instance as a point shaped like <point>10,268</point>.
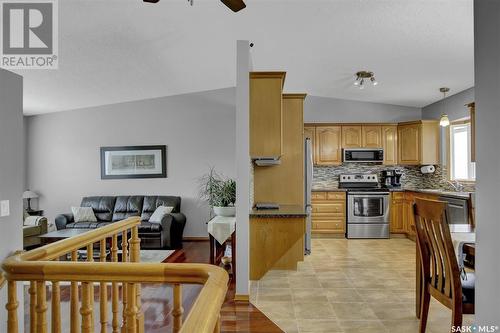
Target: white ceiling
<point>121,50</point>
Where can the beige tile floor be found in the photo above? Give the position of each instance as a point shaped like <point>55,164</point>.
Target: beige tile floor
<point>349,286</point>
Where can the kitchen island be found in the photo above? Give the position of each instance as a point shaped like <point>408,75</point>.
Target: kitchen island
<point>276,239</point>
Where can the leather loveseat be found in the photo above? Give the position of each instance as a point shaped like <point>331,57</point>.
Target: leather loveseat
<point>108,209</point>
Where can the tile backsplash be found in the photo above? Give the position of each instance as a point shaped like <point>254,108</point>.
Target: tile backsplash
<point>412,177</point>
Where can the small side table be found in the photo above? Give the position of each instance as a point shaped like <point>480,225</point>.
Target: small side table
<point>220,229</point>
<point>35,212</point>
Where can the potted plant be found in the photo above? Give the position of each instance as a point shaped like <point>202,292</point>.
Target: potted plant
<point>219,192</point>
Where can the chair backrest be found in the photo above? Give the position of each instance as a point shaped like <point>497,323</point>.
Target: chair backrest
<point>439,262</point>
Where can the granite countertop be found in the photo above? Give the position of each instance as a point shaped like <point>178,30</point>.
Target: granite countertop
<point>283,212</point>
<point>462,195</point>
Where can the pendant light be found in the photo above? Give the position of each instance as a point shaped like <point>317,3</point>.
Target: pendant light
<point>444,121</point>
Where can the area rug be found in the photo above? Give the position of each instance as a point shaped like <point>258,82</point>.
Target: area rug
<point>155,255</point>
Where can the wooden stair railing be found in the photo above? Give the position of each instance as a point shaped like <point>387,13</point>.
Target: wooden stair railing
<point>43,265</point>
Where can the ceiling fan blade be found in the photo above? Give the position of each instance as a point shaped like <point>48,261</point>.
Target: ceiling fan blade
<point>234,5</point>
<point>151,1</point>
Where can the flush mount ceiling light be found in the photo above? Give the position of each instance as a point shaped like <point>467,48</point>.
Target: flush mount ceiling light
<point>363,76</point>
<point>444,120</point>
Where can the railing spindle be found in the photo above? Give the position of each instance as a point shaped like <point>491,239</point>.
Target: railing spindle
<point>135,256</point>
<point>177,311</point>
<point>74,300</point>
<point>32,293</point>
<point>90,258</point>
<point>12,304</point>
<point>41,307</point>
<point>131,310</point>
<point>114,286</point>
<point>86,310</point>
<point>103,292</point>
<point>56,307</point>
<point>124,285</point>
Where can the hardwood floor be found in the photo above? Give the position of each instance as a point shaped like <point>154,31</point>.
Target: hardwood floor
<point>235,316</point>
<point>157,302</point>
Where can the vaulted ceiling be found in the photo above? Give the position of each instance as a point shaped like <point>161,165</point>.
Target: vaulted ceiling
<point>121,50</point>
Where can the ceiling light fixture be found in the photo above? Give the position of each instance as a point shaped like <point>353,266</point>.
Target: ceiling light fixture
<point>361,76</point>
<point>444,121</point>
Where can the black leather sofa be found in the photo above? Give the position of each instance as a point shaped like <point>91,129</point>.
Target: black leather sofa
<point>109,209</point>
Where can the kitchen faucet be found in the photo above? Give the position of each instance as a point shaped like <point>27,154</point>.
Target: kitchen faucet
<point>457,186</point>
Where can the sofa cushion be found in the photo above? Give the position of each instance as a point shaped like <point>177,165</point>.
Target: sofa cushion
<point>151,202</point>
<point>29,230</point>
<point>127,206</point>
<point>103,206</point>
<point>146,227</point>
<point>87,225</point>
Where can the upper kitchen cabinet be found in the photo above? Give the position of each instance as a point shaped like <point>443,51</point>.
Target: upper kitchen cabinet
<point>352,136</point>
<point>266,114</point>
<point>371,136</point>
<point>390,144</point>
<point>418,142</point>
<point>328,145</point>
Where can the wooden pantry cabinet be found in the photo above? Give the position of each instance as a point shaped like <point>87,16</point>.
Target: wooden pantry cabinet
<point>266,114</point>
<point>418,142</point>
<point>328,213</point>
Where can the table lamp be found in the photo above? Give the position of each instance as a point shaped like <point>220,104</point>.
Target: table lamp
<point>28,195</point>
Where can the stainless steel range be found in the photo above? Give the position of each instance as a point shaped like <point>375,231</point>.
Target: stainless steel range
<point>368,213</point>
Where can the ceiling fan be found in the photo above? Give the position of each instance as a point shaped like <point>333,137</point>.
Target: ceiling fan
<point>234,5</point>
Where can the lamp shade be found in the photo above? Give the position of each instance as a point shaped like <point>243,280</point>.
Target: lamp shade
<point>444,121</point>
<point>29,195</point>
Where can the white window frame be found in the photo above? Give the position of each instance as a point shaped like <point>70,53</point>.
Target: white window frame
<point>471,165</point>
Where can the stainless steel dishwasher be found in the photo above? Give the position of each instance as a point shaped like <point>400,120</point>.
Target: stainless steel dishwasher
<point>458,210</point>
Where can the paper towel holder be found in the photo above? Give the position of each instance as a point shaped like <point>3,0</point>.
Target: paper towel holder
<point>427,169</point>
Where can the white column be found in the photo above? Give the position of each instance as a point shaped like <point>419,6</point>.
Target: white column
<point>243,64</point>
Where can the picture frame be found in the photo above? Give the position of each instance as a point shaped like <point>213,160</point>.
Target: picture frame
<point>128,162</point>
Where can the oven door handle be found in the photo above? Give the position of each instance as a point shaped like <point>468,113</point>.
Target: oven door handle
<point>368,193</point>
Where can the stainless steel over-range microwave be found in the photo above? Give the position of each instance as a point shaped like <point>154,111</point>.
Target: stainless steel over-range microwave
<point>367,155</point>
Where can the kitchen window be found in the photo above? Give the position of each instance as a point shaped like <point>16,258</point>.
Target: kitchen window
<point>461,166</point>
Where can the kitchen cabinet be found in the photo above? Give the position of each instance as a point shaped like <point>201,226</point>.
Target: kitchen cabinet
<point>352,136</point>
<point>328,145</point>
<point>328,213</point>
<point>284,183</point>
<point>418,142</point>
<point>310,133</point>
<point>397,213</point>
<point>371,136</point>
<point>266,114</point>
<point>390,144</point>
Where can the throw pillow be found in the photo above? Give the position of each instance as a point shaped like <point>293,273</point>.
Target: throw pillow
<point>159,213</point>
<point>83,214</point>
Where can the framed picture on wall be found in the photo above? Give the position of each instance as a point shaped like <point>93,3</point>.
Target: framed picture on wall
<point>134,162</point>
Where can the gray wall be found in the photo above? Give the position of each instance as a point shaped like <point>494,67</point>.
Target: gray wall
<point>487,65</point>
<point>325,109</point>
<point>63,149</point>
<point>453,106</point>
<point>11,174</point>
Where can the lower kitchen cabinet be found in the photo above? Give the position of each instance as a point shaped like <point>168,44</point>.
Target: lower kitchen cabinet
<point>397,213</point>
<point>328,212</point>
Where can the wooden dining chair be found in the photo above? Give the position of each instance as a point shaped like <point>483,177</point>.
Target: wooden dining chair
<point>440,272</point>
